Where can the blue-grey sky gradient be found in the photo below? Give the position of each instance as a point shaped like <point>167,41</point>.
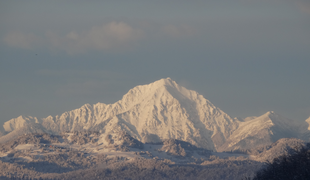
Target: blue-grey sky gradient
<point>246,57</point>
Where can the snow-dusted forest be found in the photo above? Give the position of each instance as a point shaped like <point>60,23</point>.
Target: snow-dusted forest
<point>91,155</point>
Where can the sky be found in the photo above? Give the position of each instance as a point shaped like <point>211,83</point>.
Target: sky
<point>247,57</point>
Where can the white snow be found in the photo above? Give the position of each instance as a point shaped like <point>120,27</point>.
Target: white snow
<point>24,147</point>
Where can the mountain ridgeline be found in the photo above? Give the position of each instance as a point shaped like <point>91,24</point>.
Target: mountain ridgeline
<point>165,110</point>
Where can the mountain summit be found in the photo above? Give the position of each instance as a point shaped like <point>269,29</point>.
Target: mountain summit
<point>158,111</point>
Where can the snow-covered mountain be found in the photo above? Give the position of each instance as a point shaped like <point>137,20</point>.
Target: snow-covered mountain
<point>26,129</point>
<point>261,131</point>
<point>164,110</point>
<point>19,122</point>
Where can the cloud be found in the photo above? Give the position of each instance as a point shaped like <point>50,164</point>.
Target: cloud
<point>22,40</point>
<point>112,37</point>
<point>109,36</point>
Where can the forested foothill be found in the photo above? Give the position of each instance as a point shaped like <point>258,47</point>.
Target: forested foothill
<point>91,155</point>
<point>293,165</point>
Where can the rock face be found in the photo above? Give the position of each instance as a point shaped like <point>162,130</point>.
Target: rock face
<point>164,110</point>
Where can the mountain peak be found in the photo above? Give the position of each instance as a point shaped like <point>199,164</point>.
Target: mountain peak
<point>18,122</point>
<point>270,113</point>
<point>274,117</point>
<point>165,82</point>
<point>159,88</point>
<point>168,79</point>
<point>140,92</point>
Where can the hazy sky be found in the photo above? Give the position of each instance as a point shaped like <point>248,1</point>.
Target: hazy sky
<point>246,56</point>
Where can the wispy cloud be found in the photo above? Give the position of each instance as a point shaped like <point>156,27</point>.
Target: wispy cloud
<point>22,40</point>
<point>108,36</point>
<point>112,37</point>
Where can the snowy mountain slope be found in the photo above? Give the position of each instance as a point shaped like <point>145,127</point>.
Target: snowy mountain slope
<point>249,118</point>
<point>26,129</point>
<point>165,110</point>
<point>2,133</point>
<point>261,131</point>
<point>19,122</point>
<point>171,111</point>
